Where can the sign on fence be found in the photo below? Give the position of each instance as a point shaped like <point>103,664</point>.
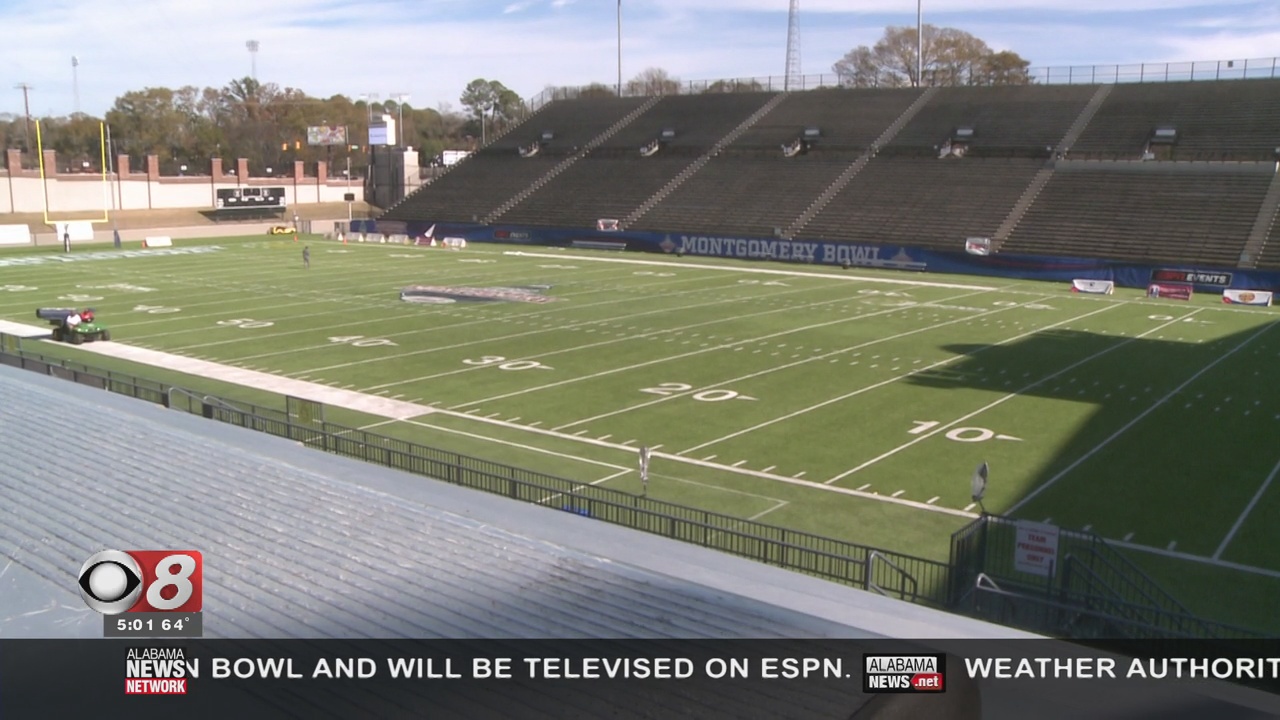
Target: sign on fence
<point>304,412</point>
<point>1036,548</point>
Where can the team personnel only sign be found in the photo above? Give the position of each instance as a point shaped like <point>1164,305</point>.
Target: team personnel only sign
<point>1036,548</point>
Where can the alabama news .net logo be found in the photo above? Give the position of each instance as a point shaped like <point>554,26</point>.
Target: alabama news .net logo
<point>141,583</point>
<point>904,673</point>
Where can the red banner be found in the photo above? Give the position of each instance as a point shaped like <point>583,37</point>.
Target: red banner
<point>1171,291</point>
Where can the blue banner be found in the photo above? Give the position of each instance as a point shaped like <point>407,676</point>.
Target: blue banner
<point>842,254</point>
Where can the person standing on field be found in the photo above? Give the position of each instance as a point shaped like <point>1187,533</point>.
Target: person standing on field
<point>306,257</point>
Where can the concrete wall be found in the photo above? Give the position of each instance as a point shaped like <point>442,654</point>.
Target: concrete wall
<point>24,191</point>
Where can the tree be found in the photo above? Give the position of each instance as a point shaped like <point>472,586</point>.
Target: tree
<point>734,86</point>
<point>491,99</point>
<point>1004,68</point>
<point>653,81</point>
<point>596,90</point>
<point>948,57</point>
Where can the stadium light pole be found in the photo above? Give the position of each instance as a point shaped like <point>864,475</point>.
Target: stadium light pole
<point>619,48</point>
<point>253,46</point>
<point>400,98</point>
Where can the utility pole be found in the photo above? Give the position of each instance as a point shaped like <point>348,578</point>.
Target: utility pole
<point>919,43</point>
<point>26,108</point>
<point>619,48</point>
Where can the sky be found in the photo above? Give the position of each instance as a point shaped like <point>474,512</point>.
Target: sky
<point>429,50</point>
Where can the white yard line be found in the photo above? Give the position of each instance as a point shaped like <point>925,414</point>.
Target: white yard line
<point>436,329</point>
<point>755,270</point>
<point>553,496</point>
<point>1240,520</point>
<point>692,353</point>
<point>943,428</point>
<point>786,366</point>
<point>1063,473</point>
<point>1252,569</point>
<point>888,381</point>
<point>571,326</point>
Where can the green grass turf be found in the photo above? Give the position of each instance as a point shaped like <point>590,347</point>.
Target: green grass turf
<point>817,399</point>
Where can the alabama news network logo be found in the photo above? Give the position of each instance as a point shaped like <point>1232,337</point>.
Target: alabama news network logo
<point>904,673</point>
<point>115,581</point>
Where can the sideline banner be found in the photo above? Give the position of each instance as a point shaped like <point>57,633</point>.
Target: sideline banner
<point>1095,287</point>
<point>1170,291</point>
<point>15,235</point>
<point>158,241</point>
<point>78,230</point>
<point>1247,297</point>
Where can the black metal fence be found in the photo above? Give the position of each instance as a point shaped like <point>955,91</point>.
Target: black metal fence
<point>889,573</point>
<point>1092,590</point>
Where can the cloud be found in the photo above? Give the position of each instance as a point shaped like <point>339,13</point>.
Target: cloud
<point>515,7</point>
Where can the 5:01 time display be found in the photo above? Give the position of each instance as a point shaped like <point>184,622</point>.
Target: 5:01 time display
<point>150,624</point>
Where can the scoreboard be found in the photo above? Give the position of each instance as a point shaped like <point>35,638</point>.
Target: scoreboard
<point>250,198</point>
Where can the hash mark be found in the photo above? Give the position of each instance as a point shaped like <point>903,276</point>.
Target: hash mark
<point>898,493</point>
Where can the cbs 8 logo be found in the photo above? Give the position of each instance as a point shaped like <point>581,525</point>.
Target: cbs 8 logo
<point>114,581</point>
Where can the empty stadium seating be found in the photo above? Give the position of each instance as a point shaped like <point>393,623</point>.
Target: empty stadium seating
<point>846,120</point>
<point>1229,120</point>
<point>594,188</point>
<point>614,179</point>
<point>1270,255</point>
<point>1005,120</point>
<point>743,195</point>
<point>698,121</point>
<point>1168,212</point>
<point>477,185</point>
<point>1173,209</point>
<point>924,202</point>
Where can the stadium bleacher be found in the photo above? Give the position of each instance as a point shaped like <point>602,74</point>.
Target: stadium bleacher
<point>1059,170</point>
<point>1269,257</point>
<point>1224,120</point>
<point>614,179</point>
<point>474,187</point>
<point>1020,121</point>
<point>1171,212</point>
<point>923,202</point>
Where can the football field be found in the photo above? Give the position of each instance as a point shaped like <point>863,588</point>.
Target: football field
<point>849,403</point>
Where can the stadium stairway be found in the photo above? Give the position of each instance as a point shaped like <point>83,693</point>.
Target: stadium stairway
<point>697,165</point>
<point>1262,225</point>
<point>567,163</point>
<point>847,176</point>
<point>1042,177</point>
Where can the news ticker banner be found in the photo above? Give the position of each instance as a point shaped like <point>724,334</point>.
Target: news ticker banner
<point>518,679</point>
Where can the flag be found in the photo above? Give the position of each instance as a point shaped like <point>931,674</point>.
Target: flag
<point>978,483</point>
<point>644,464</point>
